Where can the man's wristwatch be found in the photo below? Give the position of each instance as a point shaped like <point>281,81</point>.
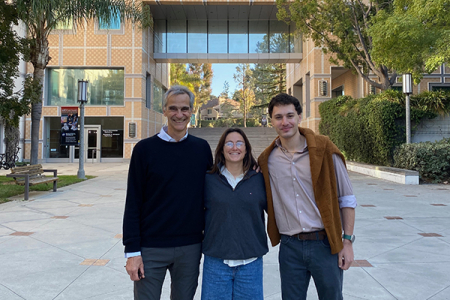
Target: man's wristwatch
<point>351,238</point>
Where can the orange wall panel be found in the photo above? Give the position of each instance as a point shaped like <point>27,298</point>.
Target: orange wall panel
<point>73,57</point>
<point>53,40</point>
<point>95,110</point>
<point>54,57</point>
<point>74,40</point>
<point>122,57</point>
<point>96,57</point>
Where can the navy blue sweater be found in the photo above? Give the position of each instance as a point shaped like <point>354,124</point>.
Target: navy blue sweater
<point>235,227</point>
<point>164,204</point>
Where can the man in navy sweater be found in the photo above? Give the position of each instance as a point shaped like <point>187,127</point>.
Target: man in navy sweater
<point>164,216</point>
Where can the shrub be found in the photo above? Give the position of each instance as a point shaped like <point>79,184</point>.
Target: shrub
<point>431,160</point>
<point>369,129</point>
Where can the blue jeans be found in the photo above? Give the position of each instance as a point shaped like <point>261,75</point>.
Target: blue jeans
<point>299,260</point>
<point>222,282</point>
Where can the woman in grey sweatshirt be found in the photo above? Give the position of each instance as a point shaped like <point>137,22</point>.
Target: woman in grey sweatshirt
<point>235,237</point>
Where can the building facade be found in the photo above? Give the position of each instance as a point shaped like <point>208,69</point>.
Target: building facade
<point>125,91</point>
<point>128,71</point>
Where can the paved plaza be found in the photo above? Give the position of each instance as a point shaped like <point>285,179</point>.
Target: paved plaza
<point>67,245</point>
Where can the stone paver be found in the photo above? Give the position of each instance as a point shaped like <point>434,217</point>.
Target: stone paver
<point>69,243</point>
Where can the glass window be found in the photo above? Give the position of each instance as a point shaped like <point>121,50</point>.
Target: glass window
<point>112,135</point>
<point>106,86</point>
<point>217,37</point>
<point>114,22</point>
<point>440,88</point>
<point>295,40</point>
<point>197,38</point>
<point>176,36</point>
<point>158,96</point>
<point>56,150</point>
<point>259,36</point>
<point>160,36</point>
<point>238,37</point>
<point>279,37</point>
<point>64,25</point>
<point>148,91</point>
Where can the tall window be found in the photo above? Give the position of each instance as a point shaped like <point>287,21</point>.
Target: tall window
<point>217,37</point>
<point>197,39</point>
<point>238,37</point>
<point>106,86</point>
<point>148,91</point>
<point>158,96</point>
<point>176,36</point>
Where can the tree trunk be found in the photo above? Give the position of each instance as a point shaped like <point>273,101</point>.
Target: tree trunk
<point>39,58</point>
<point>36,112</point>
<point>12,136</point>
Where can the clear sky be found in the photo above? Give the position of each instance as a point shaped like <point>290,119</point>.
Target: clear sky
<point>222,73</point>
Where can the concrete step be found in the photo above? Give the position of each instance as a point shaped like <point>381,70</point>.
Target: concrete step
<point>259,137</point>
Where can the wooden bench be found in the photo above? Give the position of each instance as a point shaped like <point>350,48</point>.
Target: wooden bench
<point>32,175</point>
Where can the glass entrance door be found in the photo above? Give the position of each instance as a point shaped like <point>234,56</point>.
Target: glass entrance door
<point>92,142</point>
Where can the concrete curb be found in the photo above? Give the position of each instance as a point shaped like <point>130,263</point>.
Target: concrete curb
<point>387,173</point>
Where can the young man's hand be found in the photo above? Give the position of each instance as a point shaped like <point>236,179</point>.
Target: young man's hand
<point>346,255</point>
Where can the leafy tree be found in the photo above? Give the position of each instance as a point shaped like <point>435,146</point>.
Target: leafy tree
<point>13,104</point>
<point>202,75</point>
<point>179,75</point>
<point>413,37</point>
<point>226,89</point>
<point>270,80</point>
<point>245,81</point>
<point>41,16</point>
<point>341,28</point>
<point>197,77</point>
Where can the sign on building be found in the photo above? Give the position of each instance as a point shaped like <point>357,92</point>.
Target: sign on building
<point>69,125</point>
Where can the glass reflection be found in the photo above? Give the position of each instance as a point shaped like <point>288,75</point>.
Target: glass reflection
<point>160,36</point>
<point>217,37</point>
<point>197,38</point>
<point>222,36</point>
<point>258,36</point>
<point>176,36</point>
<point>238,37</point>
<point>158,95</point>
<point>279,37</point>
<point>106,86</point>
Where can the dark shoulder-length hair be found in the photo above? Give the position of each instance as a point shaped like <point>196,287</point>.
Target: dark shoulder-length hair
<point>219,160</point>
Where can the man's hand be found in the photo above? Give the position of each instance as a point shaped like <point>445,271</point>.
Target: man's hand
<point>135,268</point>
<point>346,255</point>
<point>256,168</point>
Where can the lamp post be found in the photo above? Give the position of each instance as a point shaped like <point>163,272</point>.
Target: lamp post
<point>82,99</point>
<point>407,90</point>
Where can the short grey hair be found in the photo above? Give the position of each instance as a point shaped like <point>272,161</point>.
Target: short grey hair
<point>179,90</point>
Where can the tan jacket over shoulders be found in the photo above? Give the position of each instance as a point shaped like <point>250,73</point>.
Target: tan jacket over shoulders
<point>320,149</point>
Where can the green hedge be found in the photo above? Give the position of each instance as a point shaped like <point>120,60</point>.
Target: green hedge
<point>254,122</point>
<point>369,129</point>
<point>431,160</point>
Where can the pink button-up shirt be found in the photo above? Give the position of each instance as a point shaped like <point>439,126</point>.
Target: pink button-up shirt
<point>292,191</point>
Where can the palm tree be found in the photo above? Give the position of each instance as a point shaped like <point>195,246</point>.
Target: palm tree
<point>41,16</point>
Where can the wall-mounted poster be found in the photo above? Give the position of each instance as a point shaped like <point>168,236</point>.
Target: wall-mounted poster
<point>69,125</point>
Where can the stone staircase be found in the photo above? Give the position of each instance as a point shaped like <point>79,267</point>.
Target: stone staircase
<point>259,137</point>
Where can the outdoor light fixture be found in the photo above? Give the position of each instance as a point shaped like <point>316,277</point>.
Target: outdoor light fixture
<point>407,90</point>
<point>82,91</point>
<point>82,99</point>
